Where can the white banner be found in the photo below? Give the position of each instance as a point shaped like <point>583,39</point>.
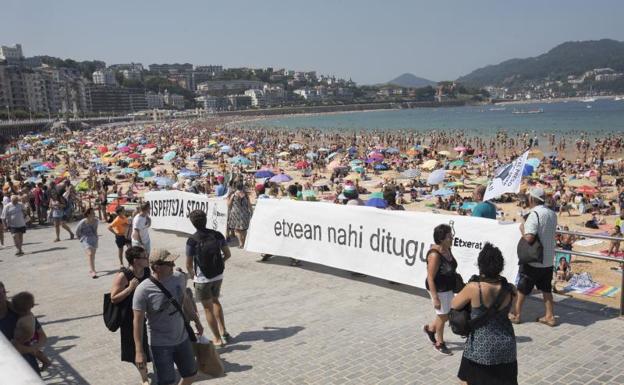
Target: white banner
<point>507,179</point>
<point>170,210</point>
<point>391,245</point>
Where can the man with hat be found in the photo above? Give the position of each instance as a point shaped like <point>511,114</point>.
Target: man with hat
<point>166,324</point>
<point>541,223</point>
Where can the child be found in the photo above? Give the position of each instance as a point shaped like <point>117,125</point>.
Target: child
<point>614,248</point>
<point>25,329</point>
<point>563,270</point>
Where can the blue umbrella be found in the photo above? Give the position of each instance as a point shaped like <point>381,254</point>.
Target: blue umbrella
<point>47,141</point>
<point>528,170</point>
<point>264,174</point>
<point>280,178</point>
<point>443,192</point>
<point>168,157</point>
<point>128,170</point>
<point>533,162</point>
<point>146,174</point>
<point>225,149</point>
<point>188,173</point>
<point>352,150</point>
<point>41,168</point>
<point>240,160</point>
<point>164,181</point>
<point>392,150</point>
<point>381,166</point>
<point>380,203</point>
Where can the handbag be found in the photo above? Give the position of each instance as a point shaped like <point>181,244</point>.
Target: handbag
<point>459,283</point>
<point>174,302</point>
<point>459,319</point>
<point>208,359</point>
<point>113,313</point>
<point>530,252</point>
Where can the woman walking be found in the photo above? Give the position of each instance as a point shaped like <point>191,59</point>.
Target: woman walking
<point>490,353</point>
<point>441,282</point>
<point>57,205</point>
<point>240,213</point>
<point>122,291</point>
<point>87,233</point>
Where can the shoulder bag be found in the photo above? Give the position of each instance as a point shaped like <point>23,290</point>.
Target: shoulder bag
<point>460,321</point>
<point>174,302</point>
<point>115,313</point>
<point>530,252</point>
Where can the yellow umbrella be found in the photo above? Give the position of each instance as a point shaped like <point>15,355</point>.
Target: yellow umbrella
<point>352,177</point>
<point>248,150</point>
<point>430,164</point>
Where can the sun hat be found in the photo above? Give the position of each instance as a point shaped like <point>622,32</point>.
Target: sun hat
<point>537,193</point>
<point>161,255</point>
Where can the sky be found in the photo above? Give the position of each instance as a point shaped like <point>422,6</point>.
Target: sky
<point>368,41</point>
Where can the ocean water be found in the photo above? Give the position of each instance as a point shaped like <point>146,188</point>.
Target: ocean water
<point>571,118</point>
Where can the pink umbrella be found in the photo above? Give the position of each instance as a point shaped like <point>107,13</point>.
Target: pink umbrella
<point>124,149</point>
<point>48,164</point>
<point>376,156</point>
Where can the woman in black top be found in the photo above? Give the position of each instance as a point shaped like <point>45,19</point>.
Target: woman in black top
<point>121,293</point>
<point>441,282</point>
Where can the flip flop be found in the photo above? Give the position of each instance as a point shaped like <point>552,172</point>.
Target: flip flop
<point>514,319</point>
<point>552,323</point>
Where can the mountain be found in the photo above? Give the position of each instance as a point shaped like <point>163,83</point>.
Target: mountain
<point>411,81</point>
<point>570,58</point>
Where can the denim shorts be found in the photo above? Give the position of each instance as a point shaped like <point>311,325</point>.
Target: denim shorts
<point>163,358</point>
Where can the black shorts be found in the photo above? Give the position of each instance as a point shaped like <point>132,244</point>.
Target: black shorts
<point>121,241</point>
<point>17,230</point>
<point>540,277</point>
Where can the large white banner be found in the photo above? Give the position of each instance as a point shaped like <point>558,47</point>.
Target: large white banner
<point>170,210</point>
<point>391,245</point>
<point>507,179</point>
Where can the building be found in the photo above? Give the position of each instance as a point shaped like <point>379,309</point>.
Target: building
<point>132,74</point>
<point>171,68</point>
<point>137,99</point>
<point>104,77</point>
<point>228,87</point>
<point>173,100</point>
<point>257,98</point>
<point>103,99</point>
<point>307,94</point>
<point>36,92</point>
<point>154,100</point>
<point>129,67</point>
<point>239,102</point>
<point>213,70</point>
<point>608,77</point>
<point>11,55</point>
<point>213,103</point>
<point>274,95</point>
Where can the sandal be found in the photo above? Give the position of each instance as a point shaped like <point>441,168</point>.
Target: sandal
<point>514,319</point>
<point>93,274</point>
<point>551,323</point>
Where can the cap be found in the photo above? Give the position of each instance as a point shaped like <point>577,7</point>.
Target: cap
<point>537,193</point>
<point>161,255</point>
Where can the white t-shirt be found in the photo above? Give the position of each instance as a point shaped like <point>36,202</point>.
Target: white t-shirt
<point>140,224</point>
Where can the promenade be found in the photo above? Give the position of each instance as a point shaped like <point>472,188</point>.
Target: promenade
<point>297,325</point>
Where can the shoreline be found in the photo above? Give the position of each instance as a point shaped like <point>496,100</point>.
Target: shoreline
<point>501,102</point>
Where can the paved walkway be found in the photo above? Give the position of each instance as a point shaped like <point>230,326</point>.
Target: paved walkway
<point>307,325</point>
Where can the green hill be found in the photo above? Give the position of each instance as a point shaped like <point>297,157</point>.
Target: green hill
<point>570,58</point>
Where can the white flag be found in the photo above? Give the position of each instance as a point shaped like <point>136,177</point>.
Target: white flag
<point>507,179</point>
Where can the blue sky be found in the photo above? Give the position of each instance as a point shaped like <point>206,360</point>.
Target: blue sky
<point>369,41</point>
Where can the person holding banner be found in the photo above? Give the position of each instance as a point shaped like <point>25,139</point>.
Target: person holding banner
<point>441,282</point>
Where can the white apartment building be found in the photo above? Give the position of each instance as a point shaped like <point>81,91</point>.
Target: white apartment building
<point>257,98</point>
<point>12,55</point>
<point>105,77</point>
<point>36,92</point>
<point>307,94</point>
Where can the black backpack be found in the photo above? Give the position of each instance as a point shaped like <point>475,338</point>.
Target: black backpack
<point>208,256</point>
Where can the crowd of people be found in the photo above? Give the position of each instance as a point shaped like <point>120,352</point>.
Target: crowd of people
<point>101,176</point>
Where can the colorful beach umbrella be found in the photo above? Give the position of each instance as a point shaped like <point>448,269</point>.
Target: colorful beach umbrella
<point>146,174</point>
<point>264,174</point>
<point>456,163</point>
<point>302,164</point>
<point>168,157</point>
<point>280,178</point>
<point>240,161</point>
<point>436,177</point>
<point>379,203</point>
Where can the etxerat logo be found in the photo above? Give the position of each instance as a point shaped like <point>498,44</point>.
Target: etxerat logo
<point>458,242</point>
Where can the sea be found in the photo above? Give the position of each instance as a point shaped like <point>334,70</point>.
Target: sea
<point>570,118</point>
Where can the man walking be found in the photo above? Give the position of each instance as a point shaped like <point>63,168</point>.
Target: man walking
<point>14,219</point>
<point>161,299</point>
<point>206,252</point>
<point>541,222</point>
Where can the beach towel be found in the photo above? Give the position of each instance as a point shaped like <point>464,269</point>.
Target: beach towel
<point>584,284</point>
<point>588,242</point>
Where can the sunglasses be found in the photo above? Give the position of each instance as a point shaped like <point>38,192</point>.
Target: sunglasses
<point>170,264</point>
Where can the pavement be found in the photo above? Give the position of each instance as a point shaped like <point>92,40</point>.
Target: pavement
<point>298,325</point>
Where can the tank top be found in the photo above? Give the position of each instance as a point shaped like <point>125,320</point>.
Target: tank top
<point>445,276</point>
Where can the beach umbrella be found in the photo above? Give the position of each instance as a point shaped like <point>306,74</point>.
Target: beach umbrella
<point>381,167</point>
<point>580,182</point>
<point>295,146</point>
<point>264,174</point>
<point>444,153</point>
<point>376,156</point>
<point>49,164</point>
<point>280,178</point>
<point>358,169</point>
<point>149,145</point>
<point>124,149</point>
<point>589,190</point>
<point>240,161</point>
<point>41,168</point>
<point>128,170</point>
<point>248,150</point>
<point>103,149</point>
<point>379,203</point>
<point>410,173</point>
<point>146,174</point>
<point>443,192</point>
<point>332,155</point>
<point>311,155</point>
<point>436,177</point>
<point>454,184</point>
<point>456,163</point>
<point>430,164</point>
<point>168,157</point>
<point>533,162</point>
<point>48,141</point>
<point>302,164</point>
<point>460,148</point>
<point>392,150</point>
<point>186,173</point>
<point>148,151</point>
<point>134,156</point>
<point>590,173</point>
<point>528,170</point>
<point>164,181</point>
<point>225,149</point>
